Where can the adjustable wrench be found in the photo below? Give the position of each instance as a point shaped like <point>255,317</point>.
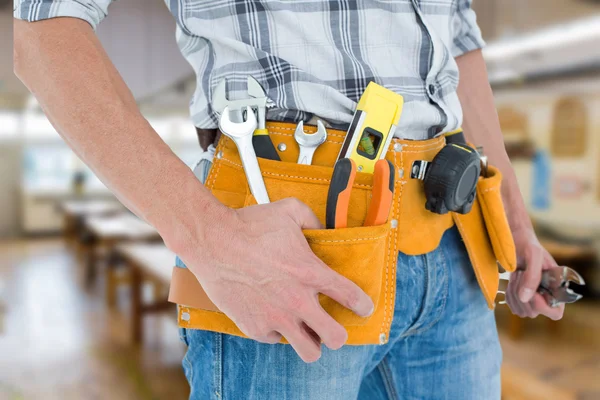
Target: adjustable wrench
<point>241,134</point>
<point>309,142</point>
<point>263,145</point>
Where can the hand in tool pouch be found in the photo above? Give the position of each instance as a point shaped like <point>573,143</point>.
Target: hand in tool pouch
<point>522,295</point>
<point>257,267</point>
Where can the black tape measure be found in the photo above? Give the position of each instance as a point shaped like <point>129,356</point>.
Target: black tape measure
<point>450,179</point>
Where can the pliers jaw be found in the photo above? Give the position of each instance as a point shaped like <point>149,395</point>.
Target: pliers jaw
<point>555,284</point>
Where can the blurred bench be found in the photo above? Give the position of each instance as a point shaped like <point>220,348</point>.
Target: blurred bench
<point>146,262</point>
<point>106,233</point>
<point>75,211</point>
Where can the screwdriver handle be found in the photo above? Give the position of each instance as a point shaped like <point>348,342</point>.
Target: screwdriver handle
<point>263,145</point>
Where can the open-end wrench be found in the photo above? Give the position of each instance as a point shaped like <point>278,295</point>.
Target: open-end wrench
<point>241,134</point>
<point>263,145</point>
<point>555,285</point>
<point>309,142</point>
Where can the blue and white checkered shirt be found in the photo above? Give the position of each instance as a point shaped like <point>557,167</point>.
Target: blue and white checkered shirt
<point>315,58</point>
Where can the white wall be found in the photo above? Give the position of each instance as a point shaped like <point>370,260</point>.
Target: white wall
<point>537,104</point>
<point>139,37</point>
<point>10,179</point>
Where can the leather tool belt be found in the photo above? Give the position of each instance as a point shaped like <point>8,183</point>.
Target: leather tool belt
<point>365,254</point>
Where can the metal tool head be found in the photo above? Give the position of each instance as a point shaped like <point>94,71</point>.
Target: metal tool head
<point>310,139</point>
<point>235,129</point>
<point>220,100</point>
<point>484,166</point>
<point>555,282</point>
<point>254,88</point>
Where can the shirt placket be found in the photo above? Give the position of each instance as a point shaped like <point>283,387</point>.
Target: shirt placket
<point>433,87</point>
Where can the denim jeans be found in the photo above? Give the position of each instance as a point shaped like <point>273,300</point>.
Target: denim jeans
<point>443,345</point>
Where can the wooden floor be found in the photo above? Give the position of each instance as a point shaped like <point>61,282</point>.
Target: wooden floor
<point>553,360</point>
<point>59,341</point>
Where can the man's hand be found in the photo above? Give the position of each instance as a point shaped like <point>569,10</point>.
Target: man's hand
<point>257,267</point>
<point>482,127</point>
<point>532,259</point>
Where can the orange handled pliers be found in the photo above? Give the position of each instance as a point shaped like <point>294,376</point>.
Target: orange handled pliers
<point>338,197</point>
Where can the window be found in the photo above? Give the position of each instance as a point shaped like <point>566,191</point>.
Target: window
<point>513,123</point>
<point>9,125</point>
<point>48,167</point>
<point>569,128</point>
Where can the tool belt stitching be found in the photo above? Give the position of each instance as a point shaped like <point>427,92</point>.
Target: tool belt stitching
<point>347,240</point>
<point>393,254</point>
<point>212,176</point>
<point>492,189</point>
<point>414,148</point>
<point>327,141</point>
<point>421,147</point>
<point>275,130</point>
<point>411,147</point>
<point>420,151</point>
<point>292,176</point>
<point>386,304</point>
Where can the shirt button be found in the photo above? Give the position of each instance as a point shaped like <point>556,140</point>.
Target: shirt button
<point>431,89</point>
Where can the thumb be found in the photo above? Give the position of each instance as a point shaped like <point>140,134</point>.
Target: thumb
<point>301,214</point>
<point>531,277</point>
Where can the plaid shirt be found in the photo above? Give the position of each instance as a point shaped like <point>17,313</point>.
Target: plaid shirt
<point>315,58</point>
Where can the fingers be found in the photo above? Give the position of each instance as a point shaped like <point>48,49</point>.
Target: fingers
<point>539,304</point>
<point>301,213</point>
<point>516,306</point>
<point>345,292</point>
<point>325,327</point>
<point>536,306</point>
<point>531,277</point>
<point>270,338</point>
<point>305,344</point>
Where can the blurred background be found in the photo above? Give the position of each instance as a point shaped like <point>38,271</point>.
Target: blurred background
<point>83,283</point>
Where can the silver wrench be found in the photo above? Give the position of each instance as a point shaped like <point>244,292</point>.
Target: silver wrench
<point>241,134</point>
<point>309,142</point>
<point>263,146</point>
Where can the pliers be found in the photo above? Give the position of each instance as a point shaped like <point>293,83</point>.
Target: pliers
<point>554,286</point>
<point>338,197</point>
<point>555,283</point>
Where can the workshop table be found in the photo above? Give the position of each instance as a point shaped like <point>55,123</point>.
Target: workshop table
<point>146,262</point>
<point>106,233</point>
<point>75,211</point>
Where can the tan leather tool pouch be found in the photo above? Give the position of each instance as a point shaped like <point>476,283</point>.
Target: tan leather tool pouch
<point>365,255</point>
<point>487,235</point>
